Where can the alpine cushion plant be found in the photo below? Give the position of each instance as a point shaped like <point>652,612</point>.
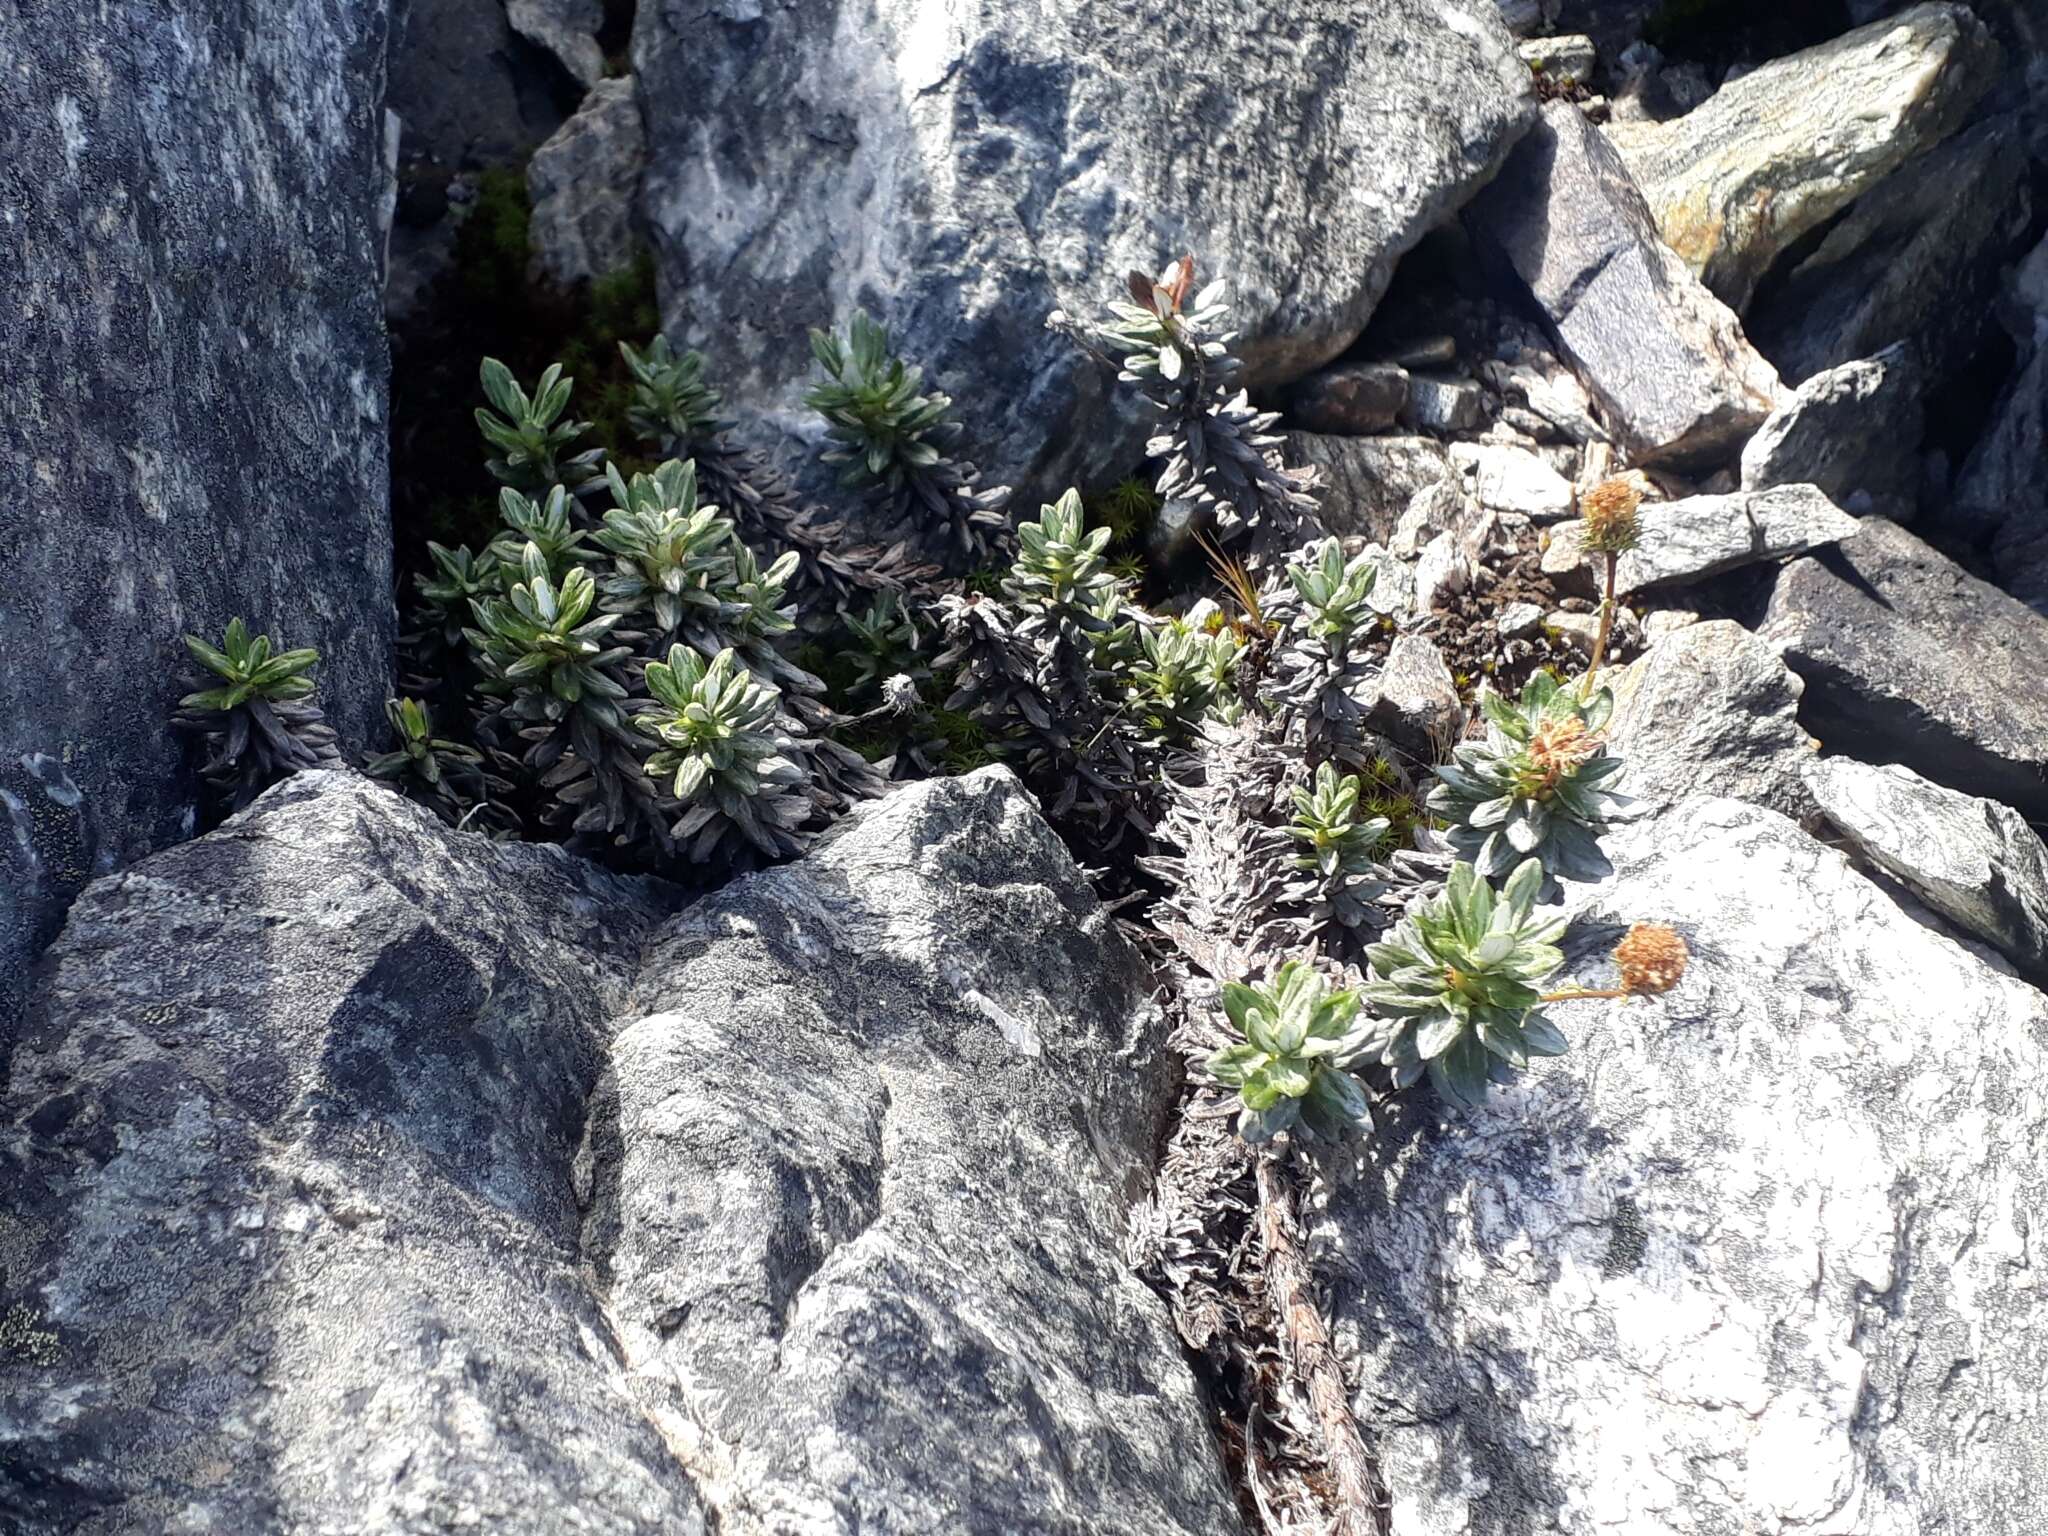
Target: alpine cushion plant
<point>257,719</point>
<point>446,776</point>
<point>665,548</point>
<point>723,756</point>
<point>1536,787</point>
<point>1457,983</point>
<point>529,433</point>
<point>893,438</point>
<point>1299,1035</point>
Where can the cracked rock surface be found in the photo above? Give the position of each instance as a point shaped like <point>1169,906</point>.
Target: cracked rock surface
<point>959,170</point>
<point>360,1175</point>
<point>1756,1255</point>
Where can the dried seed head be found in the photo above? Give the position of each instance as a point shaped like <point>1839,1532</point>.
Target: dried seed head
<point>1609,510</point>
<point>1561,744</point>
<point>1652,958</point>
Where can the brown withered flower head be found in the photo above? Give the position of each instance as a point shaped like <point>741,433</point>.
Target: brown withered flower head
<point>1609,510</point>
<point>1559,744</point>
<point>1652,958</point>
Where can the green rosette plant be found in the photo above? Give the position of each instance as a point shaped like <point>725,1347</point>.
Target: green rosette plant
<point>257,720</point>
<point>1457,984</point>
<point>1537,787</point>
<point>1299,1035</point>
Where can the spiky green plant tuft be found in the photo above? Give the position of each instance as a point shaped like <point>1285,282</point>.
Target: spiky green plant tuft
<point>1537,786</point>
<point>257,719</point>
<point>530,434</point>
<point>1299,1035</point>
<point>1459,983</point>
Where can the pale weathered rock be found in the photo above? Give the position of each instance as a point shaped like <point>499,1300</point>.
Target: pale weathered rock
<point>567,29</point>
<point>1664,359</point>
<point>1431,511</point>
<point>1916,259</point>
<point>1578,629</point>
<point>1416,706</point>
<point>1701,536</point>
<point>1711,707</point>
<point>1756,1255</point>
<point>1443,403</point>
<point>1853,431</point>
<point>585,186</point>
<point>926,1067</point>
<point>1777,153</point>
<point>1518,620</point>
<point>194,412</point>
<point>961,171</point>
<point>1369,481</point>
<point>1567,60</point>
<point>287,1150</point>
<point>1909,659</point>
<point>370,1176</point>
<point>1511,479</point>
<point>1974,861</point>
<point>1440,569</point>
<point>1350,399</point>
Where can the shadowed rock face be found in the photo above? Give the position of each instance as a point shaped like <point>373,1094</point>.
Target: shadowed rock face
<point>193,411</point>
<point>1777,152</point>
<point>1753,1255</point>
<point>1666,361</point>
<point>363,1175</point>
<point>1907,658</point>
<point>961,170</point>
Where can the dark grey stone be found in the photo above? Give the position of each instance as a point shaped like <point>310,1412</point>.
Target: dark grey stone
<point>1663,358</point>
<point>1915,259</point>
<point>1852,430</point>
<point>959,175</point>
<point>1909,659</point>
<point>193,416</point>
<point>364,1175</point>
<point>1349,399</point>
<point>287,1150</point>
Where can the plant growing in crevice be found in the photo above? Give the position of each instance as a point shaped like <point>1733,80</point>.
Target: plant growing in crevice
<point>1217,454</point>
<point>676,409</point>
<point>530,432</point>
<point>893,439</point>
<point>1537,786</point>
<point>725,760</point>
<point>446,776</point>
<point>1298,1036</point>
<point>1458,983</point>
<point>257,719</point>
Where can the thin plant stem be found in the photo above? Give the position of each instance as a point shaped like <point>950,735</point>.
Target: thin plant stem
<point>1606,625</point>
<point>1361,1499</point>
<point>1572,994</point>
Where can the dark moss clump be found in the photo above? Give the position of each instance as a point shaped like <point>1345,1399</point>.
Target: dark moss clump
<point>488,303</point>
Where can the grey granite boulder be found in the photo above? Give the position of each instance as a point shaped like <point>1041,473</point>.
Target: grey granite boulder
<point>1700,536</point>
<point>1368,482</point>
<point>1415,704</point>
<point>585,186</point>
<point>1755,1255</point>
<point>961,171</point>
<point>1915,259</point>
<point>1777,152</point>
<point>1853,431</point>
<point>1664,359</point>
<point>1909,659</point>
<point>1974,861</point>
<point>287,1154</point>
<point>1711,708</point>
<point>361,1175</point>
<point>194,414</point>
<point>860,1171</point>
